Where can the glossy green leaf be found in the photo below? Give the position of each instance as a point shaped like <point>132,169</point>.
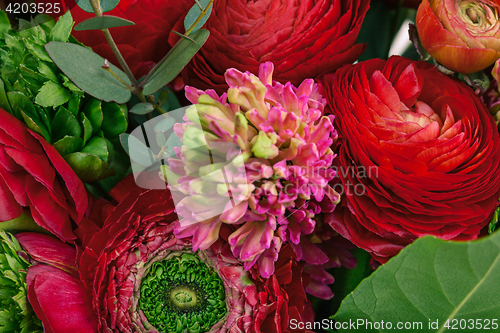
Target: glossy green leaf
<point>86,126</point>
<point>62,29</point>
<point>115,120</point>
<point>36,125</point>
<point>84,68</point>
<point>4,22</point>
<point>4,101</point>
<point>430,281</point>
<point>194,13</point>
<point>142,154</point>
<point>121,164</point>
<point>106,5</point>
<point>142,108</point>
<point>177,59</point>
<point>38,50</point>
<point>93,111</point>
<point>103,22</point>
<point>52,95</point>
<point>68,145</point>
<point>64,124</point>
<point>46,70</point>
<point>97,146</point>
<point>89,168</point>
<point>19,101</point>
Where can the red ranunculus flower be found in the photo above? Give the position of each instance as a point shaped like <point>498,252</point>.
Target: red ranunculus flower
<point>143,279</point>
<point>143,44</point>
<point>304,39</point>
<point>419,155</point>
<point>33,175</point>
<point>55,291</point>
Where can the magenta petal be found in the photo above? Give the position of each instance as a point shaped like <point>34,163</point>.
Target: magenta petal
<point>61,302</point>
<point>49,250</point>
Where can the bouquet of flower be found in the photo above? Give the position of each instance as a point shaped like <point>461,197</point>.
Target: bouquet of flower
<point>213,166</point>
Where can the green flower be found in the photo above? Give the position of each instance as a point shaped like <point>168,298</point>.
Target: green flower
<point>84,130</point>
<point>183,294</point>
<point>16,314</point>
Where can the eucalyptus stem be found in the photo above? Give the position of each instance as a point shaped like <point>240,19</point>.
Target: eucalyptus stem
<point>98,12</point>
<point>202,14</point>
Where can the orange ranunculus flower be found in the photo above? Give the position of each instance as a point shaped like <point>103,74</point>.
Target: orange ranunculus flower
<point>463,35</point>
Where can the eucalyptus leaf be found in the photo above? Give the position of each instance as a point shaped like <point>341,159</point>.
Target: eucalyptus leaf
<point>84,68</point>
<point>106,5</point>
<point>103,22</point>
<point>134,147</point>
<point>142,108</point>
<point>433,282</point>
<point>176,60</point>
<point>194,13</point>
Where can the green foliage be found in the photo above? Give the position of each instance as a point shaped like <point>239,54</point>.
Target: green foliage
<point>195,12</point>
<point>106,5</point>
<point>16,314</point>
<point>103,22</point>
<point>85,69</point>
<point>38,93</point>
<point>431,280</point>
<point>177,59</point>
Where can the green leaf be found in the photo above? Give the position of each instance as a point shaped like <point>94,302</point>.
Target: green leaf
<point>68,145</point>
<point>176,60</point>
<point>193,15</point>
<point>84,68</point>
<point>4,101</point>
<point>4,22</point>
<point>62,29</point>
<point>89,168</point>
<point>52,94</point>
<point>64,124</point>
<point>87,127</point>
<point>103,22</point>
<point>37,50</point>
<point>97,146</point>
<point>142,108</point>
<point>115,120</point>
<point>36,125</point>
<point>164,123</point>
<point>93,111</point>
<point>121,164</point>
<point>47,71</point>
<point>106,5</point>
<point>19,101</point>
<point>430,281</point>
<point>142,154</point>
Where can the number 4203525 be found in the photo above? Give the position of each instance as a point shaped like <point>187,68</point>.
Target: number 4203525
<point>477,324</point>
<point>33,8</point>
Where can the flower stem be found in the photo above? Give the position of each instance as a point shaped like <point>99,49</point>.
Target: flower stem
<point>98,12</point>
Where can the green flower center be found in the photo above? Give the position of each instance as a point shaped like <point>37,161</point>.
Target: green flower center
<point>183,294</point>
